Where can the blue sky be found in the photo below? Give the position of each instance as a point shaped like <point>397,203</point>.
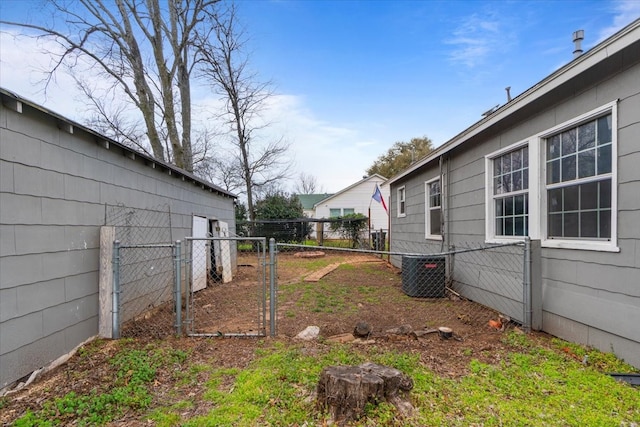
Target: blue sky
<point>353,77</point>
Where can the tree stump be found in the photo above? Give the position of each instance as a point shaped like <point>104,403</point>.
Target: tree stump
<point>344,391</point>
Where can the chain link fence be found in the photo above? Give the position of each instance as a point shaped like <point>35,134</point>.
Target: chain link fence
<point>145,268</point>
<point>469,284</point>
<point>352,233</point>
<point>146,277</point>
<point>227,291</point>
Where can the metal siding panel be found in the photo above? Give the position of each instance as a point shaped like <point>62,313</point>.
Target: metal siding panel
<point>82,237</point>
<point>20,331</point>
<point>6,177</point>
<point>559,270</point>
<point>81,189</point>
<point>59,317</point>
<point>38,296</point>
<point>19,148</point>
<point>80,332</point>
<point>19,209</point>
<point>624,86</point>
<point>7,240</point>
<point>596,311</point>
<point>80,285</point>
<point>34,181</point>
<point>8,304</point>
<point>36,239</point>
<point>26,359</point>
<point>19,270</point>
<point>607,278</point>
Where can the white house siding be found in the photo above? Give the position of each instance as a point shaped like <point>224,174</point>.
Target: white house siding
<point>55,190</point>
<point>359,198</point>
<point>590,297</point>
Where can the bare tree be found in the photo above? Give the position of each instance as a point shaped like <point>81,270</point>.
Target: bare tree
<point>260,163</point>
<point>115,40</point>
<point>306,184</point>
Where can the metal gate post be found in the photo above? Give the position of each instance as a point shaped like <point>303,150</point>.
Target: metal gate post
<point>272,287</point>
<point>526,286</point>
<point>177,286</point>
<point>115,308</point>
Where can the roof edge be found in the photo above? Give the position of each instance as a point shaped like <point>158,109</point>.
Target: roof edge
<point>5,93</point>
<point>608,47</point>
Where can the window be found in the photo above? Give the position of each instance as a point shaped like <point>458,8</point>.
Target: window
<point>336,212</point>
<point>579,181</point>
<point>558,186</point>
<point>401,202</point>
<point>511,193</point>
<point>432,209</point>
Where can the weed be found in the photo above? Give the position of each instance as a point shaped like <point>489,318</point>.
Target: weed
<point>134,370</point>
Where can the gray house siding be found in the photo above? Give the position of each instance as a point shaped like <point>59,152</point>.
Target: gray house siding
<point>55,190</point>
<point>588,296</point>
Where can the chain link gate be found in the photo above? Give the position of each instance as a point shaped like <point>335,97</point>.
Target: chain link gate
<point>226,287</point>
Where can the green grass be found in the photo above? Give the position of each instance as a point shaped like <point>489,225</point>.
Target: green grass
<point>135,370</point>
<point>530,388</point>
<point>528,385</point>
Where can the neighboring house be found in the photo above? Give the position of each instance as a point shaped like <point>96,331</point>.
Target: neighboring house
<point>309,201</point>
<point>560,163</point>
<point>58,182</point>
<point>357,198</point>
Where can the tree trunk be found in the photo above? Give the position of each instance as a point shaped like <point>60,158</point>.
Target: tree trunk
<point>344,391</point>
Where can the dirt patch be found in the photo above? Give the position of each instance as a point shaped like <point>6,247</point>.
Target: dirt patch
<point>359,290</point>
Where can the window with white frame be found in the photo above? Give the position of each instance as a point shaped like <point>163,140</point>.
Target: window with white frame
<point>510,185</point>
<point>401,201</point>
<point>578,181</point>
<point>337,212</point>
<point>432,209</point>
<point>558,186</point>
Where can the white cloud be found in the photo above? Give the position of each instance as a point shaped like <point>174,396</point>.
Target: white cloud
<point>475,39</point>
<point>625,12</point>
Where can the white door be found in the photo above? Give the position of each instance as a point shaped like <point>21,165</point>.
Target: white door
<point>225,249</point>
<point>199,254</point>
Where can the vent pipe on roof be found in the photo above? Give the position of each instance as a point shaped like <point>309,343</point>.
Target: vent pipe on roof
<point>508,89</point>
<point>578,36</point>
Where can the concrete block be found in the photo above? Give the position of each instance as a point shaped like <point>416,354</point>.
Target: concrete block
<point>38,296</point>
<point>7,240</point>
<point>19,209</point>
<point>20,331</point>
<point>33,239</point>
<point>8,304</point>
<point>564,328</point>
<point>625,349</point>
<point>20,270</point>
<point>6,177</point>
